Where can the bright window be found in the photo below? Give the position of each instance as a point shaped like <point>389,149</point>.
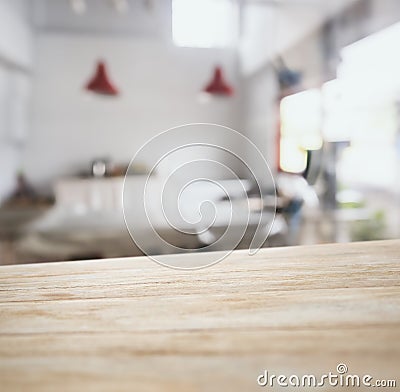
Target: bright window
<point>301,121</point>
<point>204,23</point>
<point>367,110</point>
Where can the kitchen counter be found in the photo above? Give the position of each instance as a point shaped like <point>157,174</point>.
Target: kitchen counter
<point>130,324</point>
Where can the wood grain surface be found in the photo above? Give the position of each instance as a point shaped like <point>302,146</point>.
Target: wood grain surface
<point>132,325</point>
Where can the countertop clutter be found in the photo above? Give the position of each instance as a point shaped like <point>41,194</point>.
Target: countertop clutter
<point>130,324</point>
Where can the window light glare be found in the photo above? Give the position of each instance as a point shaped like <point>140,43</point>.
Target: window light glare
<point>293,159</point>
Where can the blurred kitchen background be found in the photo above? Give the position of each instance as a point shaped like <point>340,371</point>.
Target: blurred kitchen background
<point>315,84</point>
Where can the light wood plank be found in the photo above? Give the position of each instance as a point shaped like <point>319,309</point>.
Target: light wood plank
<point>130,324</point>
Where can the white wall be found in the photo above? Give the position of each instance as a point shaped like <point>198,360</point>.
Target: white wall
<point>260,113</point>
<point>15,63</point>
<point>9,152</point>
<point>15,33</point>
<point>159,86</point>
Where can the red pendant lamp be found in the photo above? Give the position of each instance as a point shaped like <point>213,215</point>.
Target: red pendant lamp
<point>100,82</point>
<point>218,84</point>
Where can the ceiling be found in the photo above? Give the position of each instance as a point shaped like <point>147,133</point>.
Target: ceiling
<point>152,17</point>
<point>101,17</point>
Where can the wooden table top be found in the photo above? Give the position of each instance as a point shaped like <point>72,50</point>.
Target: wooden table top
<point>130,324</point>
